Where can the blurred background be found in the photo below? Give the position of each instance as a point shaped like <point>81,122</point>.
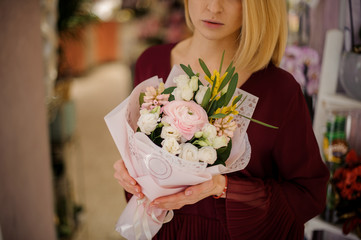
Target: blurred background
<point>65,64</point>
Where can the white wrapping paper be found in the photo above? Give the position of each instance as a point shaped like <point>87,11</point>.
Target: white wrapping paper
<point>158,172</point>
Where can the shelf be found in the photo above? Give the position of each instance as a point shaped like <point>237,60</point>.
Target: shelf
<point>318,224</point>
<point>334,101</point>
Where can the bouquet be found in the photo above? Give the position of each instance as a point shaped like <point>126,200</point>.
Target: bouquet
<point>178,134</point>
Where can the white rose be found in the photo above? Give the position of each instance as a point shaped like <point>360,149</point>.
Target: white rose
<point>209,131</point>
<point>200,94</point>
<point>171,145</point>
<point>187,93</point>
<point>193,83</point>
<point>207,154</point>
<point>144,111</point>
<point>189,152</point>
<point>181,80</point>
<point>147,122</point>
<point>220,141</point>
<point>170,132</point>
<point>177,93</point>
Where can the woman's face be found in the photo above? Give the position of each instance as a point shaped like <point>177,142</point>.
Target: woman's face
<point>216,19</point>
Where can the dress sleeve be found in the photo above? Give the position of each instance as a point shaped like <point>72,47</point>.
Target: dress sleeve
<point>278,208</point>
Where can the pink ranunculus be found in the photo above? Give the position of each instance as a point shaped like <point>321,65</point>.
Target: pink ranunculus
<point>187,117</point>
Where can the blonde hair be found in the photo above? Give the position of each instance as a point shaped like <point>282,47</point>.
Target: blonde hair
<point>263,36</point>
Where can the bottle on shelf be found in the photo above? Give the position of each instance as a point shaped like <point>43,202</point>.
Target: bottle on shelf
<point>335,147</point>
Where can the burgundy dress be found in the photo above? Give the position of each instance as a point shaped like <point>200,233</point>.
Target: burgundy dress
<point>284,184</point>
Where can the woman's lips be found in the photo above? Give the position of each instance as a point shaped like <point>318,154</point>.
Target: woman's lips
<point>212,24</point>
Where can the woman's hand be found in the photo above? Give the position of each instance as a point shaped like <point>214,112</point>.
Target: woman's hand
<point>125,180</point>
<point>192,194</point>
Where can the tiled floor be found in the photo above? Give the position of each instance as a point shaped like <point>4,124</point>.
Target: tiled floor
<point>92,152</point>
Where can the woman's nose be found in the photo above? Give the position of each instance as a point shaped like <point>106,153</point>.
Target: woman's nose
<point>215,6</point>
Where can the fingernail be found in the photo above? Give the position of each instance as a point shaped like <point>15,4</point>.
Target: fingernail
<point>139,195</point>
<point>133,183</point>
<point>155,202</point>
<point>137,189</point>
<point>188,192</point>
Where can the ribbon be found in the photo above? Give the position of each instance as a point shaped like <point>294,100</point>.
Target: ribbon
<point>138,215</point>
<point>140,220</point>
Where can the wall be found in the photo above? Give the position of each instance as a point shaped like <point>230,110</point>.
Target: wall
<point>26,200</point>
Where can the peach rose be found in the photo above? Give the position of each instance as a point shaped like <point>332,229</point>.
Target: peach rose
<point>187,117</point>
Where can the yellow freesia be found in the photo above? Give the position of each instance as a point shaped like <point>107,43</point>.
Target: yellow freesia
<point>215,80</point>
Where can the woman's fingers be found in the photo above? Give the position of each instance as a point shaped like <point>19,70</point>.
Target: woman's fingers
<point>125,180</point>
<point>190,195</point>
<point>122,174</point>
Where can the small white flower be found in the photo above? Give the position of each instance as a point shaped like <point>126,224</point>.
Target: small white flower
<point>181,80</point>
<point>220,141</point>
<point>209,131</point>
<point>170,132</point>
<point>193,83</point>
<point>143,111</point>
<point>198,134</point>
<point>207,154</point>
<point>171,145</point>
<point>189,152</point>
<point>202,143</point>
<point>147,122</point>
<point>187,93</point>
<point>177,93</point>
<point>200,94</point>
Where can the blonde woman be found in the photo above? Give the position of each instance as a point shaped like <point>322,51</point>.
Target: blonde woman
<point>284,185</point>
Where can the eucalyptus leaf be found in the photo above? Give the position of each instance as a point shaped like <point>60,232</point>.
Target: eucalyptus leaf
<point>187,70</point>
<point>227,78</point>
<point>220,66</point>
<point>205,68</point>
<point>213,107</point>
<point>236,100</point>
<point>231,89</point>
<point>218,115</point>
<point>206,98</point>
<point>221,100</point>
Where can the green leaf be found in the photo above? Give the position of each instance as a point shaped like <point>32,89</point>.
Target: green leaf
<point>221,100</point>
<point>223,154</point>
<point>141,98</point>
<point>237,99</point>
<point>231,89</point>
<point>227,78</point>
<point>155,135</point>
<point>213,107</point>
<point>205,68</point>
<point>259,122</point>
<point>168,90</point>
<point>171,98</point>
<point>218,115</point>
<point>187,70</point>
<point>230,67</point>
<point>206,98</point>
<point>220,67</point>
